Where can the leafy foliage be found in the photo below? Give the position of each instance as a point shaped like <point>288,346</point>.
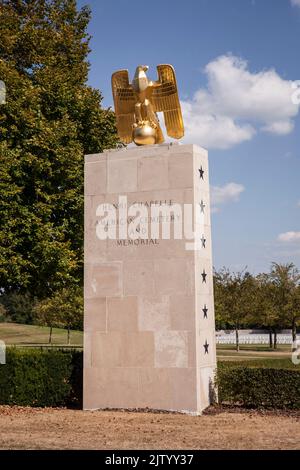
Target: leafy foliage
<point>41,378</point>
<point>63,310</point>
<point>257,387</point>
<point>18,307</point>
<point>285,279</point>
<point>54,378</point>
<point>268,300</point>
<point>3,313</point>
<point>50,120</point>
<point>234,293</point>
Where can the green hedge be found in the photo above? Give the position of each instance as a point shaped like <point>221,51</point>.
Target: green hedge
<point>259,387</point>
<point>54,378</point>
<point>41,378</point>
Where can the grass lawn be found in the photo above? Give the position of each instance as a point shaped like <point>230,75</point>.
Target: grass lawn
<point>233,355</point>
<point>248,352</point>
<point>269,362</point>
<point>31,335</point>
<point>255,347</point>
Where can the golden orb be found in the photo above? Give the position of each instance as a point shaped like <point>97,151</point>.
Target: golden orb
<point>144,135</point>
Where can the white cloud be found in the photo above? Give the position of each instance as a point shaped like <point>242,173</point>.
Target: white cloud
<point>295,3</point>
<point>213,131</point>
<point>279,127</point>
<point>224,194</point>
<point>289,237</point>
<point>237,103</point>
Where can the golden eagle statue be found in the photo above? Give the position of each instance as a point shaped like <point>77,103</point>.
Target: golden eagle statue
<point>137,103</point>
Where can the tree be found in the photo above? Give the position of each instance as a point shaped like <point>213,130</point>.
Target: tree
<point>46,314</point>
<point>3,313</point>
<point>219,294</point>
<point>285,278</point>
<point>235,294</point>
<point>69,303</point>
<point>293,312</point>
<point>19,307</point>
<point>265,313</point>
<point>64,310</point>
<point>50,120</point>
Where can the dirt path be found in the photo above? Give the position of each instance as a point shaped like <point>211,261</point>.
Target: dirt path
<point>28,428</point>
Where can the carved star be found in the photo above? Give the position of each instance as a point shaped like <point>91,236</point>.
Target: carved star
<point>202,206</point>
<point>206,346</point>
<point>203,240</point>
<point>205,310</point>
<point>204,276</point>
<point>201,171</point>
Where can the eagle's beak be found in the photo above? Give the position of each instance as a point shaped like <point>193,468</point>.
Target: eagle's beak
<point>145,68</point>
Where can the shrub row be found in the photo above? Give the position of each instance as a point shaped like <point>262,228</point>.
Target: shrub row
<point>54,378</point>
<point>41,378</point>
<point>258,387</point>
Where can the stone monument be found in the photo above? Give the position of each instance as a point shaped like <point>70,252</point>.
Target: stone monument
<point>149,338</point>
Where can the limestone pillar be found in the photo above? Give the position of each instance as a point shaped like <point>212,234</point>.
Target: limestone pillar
<point>149,314</point>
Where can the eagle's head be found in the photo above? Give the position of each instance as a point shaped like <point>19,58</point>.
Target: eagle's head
<point>140,80</point>
<point>142,68</point>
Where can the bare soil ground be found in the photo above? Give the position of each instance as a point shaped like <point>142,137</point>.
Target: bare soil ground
<point>50,428</point>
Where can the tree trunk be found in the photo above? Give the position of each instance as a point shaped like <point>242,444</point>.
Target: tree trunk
<point>50,335</point>
<point>270,339</point>
<point>237,338</point>
<point>275,339</point>
<point>69,336</point>
<point>294,334</point>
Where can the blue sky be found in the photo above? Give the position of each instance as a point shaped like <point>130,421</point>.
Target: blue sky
<point>235,62</point>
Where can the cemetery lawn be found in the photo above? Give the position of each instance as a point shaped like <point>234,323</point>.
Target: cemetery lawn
<point>253,352</point>
<point>52,428</point>
<point>35,336</point>
<point>32,335</point>
<point>265,362</point>
<point>254,347</point>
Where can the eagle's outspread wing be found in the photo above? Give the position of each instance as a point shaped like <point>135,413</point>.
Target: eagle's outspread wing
<point>165,98</point>
<point>124,101</point>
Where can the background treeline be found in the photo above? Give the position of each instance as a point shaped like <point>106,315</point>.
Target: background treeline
<point>269,301</point>
<point>51,118</point>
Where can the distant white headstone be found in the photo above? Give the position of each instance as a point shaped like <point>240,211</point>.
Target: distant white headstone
<point>2,92</point>
<point>2,352</point>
